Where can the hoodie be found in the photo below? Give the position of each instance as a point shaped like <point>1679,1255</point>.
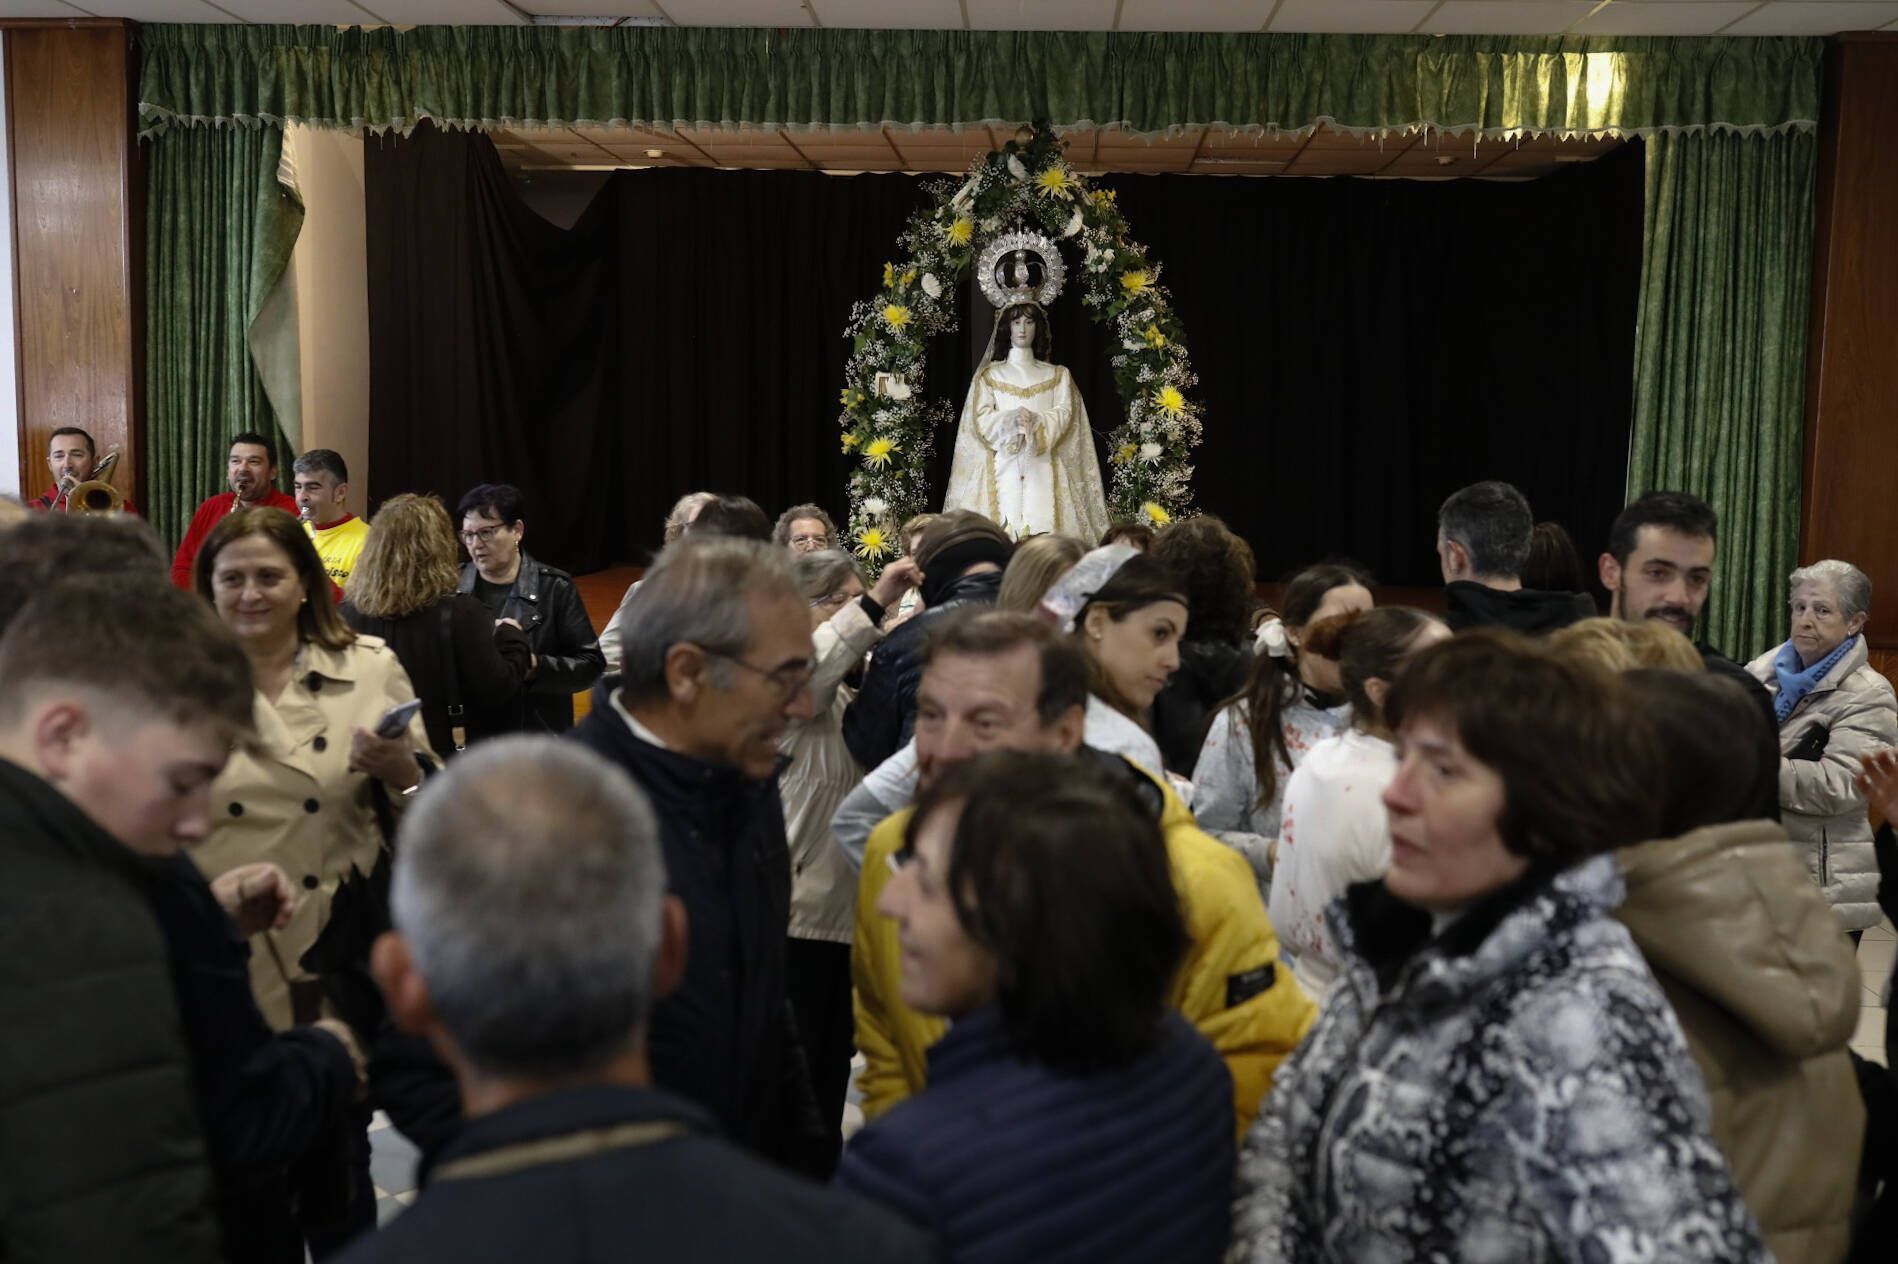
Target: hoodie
<point>1750,957</point>
<point>1526,610</point>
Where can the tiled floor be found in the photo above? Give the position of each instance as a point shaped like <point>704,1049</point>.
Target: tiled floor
<point>1875,953</point>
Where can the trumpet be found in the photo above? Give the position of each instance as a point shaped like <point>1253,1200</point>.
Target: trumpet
<point>96,494</point>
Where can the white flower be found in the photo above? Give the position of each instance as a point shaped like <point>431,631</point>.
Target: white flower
<point>891,386</point>
<point>875,507</point>
<point>990,224</point>
<point>964,195</point>
<point>1150,452</point>
<point>931,286</point>
<point>1074,224</point>
<point>1016,169</point>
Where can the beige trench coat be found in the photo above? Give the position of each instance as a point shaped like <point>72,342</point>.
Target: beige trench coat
<point>294,801</point>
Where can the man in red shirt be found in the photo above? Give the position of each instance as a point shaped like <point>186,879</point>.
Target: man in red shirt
<point>253,478</point>
<point>72,456</point>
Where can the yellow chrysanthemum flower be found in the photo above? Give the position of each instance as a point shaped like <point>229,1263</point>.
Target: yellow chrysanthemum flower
<point>961,232</point>
<point>1103,197</point>
<point>1156,515</point>
<point>1171,400</point>
<point>1153,336</point>
<point>850,441</point>
<point>1134,282</point>
<point>889,273</point>
<point>909,275</point>
<point>896,315</point>
<point>878,451</point>
<point>872,541</point>
<point>1054,180</point>
<point>1124,453</point>
<point>851,397</point>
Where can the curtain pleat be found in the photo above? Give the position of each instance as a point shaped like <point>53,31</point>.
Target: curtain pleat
<point>219,231</point>
<point>1143,82</point>
<point>1720,358</point>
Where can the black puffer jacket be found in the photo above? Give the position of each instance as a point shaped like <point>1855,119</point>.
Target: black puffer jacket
<point>1210,672</point>
<point>101,1157</point>
<point>878,723</point>
<point>546,604</point>
<point>725,1038</point>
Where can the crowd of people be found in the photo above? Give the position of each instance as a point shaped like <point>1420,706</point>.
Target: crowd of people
<point>1146,920</point>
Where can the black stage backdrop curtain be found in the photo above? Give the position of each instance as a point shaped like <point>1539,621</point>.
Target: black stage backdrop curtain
<point>1364,347</point>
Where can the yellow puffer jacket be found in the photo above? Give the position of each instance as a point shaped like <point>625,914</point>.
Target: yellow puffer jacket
<point>1232,985</point>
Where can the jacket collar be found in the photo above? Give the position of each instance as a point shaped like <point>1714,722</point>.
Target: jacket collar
<point>27,799</point>
<point>972,1042</point>
<point>1528,610</point>
<point>568,1111</point>
<point>679,778</point>
<point>526,580</point>
<point>1388,943</point>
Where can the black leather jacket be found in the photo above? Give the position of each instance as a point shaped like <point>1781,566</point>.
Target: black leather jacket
<point>546,604</point>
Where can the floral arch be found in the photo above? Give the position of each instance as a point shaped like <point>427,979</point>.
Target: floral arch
<point>889,426</point>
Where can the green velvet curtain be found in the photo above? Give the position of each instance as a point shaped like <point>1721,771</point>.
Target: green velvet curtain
<point>219,230</point>
<point>484,76</point>
<point>1720,357</point>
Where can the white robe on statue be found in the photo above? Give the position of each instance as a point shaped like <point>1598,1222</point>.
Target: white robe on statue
<point>1040,477</point>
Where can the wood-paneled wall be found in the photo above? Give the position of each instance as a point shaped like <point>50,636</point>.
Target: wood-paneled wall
<point>79,235</point>
<point>1850,503</point>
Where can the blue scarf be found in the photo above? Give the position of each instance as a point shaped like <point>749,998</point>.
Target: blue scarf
<point>1795,684</point>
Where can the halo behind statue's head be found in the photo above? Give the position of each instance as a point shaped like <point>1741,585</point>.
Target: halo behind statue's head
<point>1020,267</point>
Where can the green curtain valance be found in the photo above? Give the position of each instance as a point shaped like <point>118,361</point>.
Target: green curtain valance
<point>1148,83</point>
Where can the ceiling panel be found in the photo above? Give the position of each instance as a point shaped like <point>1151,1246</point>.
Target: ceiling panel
<point>1350,17</point>
<point>1669,17</point>
<point>137,10</point>
<point>926,15</point>
<point>339,12</point>
<point>603,8</point>
<point>711,12</point>
<point>457,12</point>
<point>1040,15</point>
<point>39,9</point>
<point>1194,15</point>
<point>1805,18</point>
<point>1506,17</point>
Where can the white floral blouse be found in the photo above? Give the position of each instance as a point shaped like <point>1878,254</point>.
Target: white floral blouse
<point>1226,786</point>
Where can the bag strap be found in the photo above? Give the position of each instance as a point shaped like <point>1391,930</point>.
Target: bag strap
<point>564,1149</point>
<point>451,680</point>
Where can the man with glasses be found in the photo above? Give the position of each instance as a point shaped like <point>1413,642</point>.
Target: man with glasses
<point>715,666</point>
<point>539,599</point>
<point>805,529</point>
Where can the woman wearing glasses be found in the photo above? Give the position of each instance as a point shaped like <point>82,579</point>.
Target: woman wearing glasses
<point>537,598</point>
<point>820,772</point>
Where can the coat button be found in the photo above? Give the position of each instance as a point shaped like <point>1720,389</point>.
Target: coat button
<point>320,744</point>
<point>309,882</point>
<point>237,809</point>
<point>310,805</point>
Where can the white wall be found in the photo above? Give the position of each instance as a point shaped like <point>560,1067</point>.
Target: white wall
<point>331,267</point>
<point>10,423</point>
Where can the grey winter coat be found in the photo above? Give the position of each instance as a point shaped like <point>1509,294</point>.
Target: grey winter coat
<point>1515,1089</point>
<point>1819,799</point>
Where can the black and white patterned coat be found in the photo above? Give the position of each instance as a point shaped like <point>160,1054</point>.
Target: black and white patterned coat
<point>1516,1089</point>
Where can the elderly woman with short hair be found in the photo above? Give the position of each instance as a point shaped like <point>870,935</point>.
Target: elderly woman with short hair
<point>1833,710</point>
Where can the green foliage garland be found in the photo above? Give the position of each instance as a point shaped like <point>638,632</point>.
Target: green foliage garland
<point>887,424</point>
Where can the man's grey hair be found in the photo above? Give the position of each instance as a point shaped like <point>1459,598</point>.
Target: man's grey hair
<point>781,533</point>
<point>530,886</point>
<point>698,591</point>
<point>683,511</point>
<point>322,461</point>
<point>823,572</point>
<point>1851,587</point>
<point>1491,520</point>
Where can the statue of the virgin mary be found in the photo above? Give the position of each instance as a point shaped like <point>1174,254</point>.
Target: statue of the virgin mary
<point>1024,451</point>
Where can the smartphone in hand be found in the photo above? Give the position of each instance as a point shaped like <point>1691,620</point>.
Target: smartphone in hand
<point>397,718</point>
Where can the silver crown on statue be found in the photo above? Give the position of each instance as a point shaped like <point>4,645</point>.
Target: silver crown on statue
<point>1020,267</point>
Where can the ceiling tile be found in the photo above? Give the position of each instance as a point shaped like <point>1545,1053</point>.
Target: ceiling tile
<point>1194,15</point>
<point>719,12</point>
<point>1668,17</point>
<point>340,12</point>
<point>923,15</point>
<point>1804,18</point>
<point>457,12</point>
<point>1506,17</point>
<point>137,10</point>
<point>1349,17</point>
<point>1040,15</point>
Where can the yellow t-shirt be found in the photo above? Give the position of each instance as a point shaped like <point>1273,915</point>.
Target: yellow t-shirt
<point>339,545</point>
